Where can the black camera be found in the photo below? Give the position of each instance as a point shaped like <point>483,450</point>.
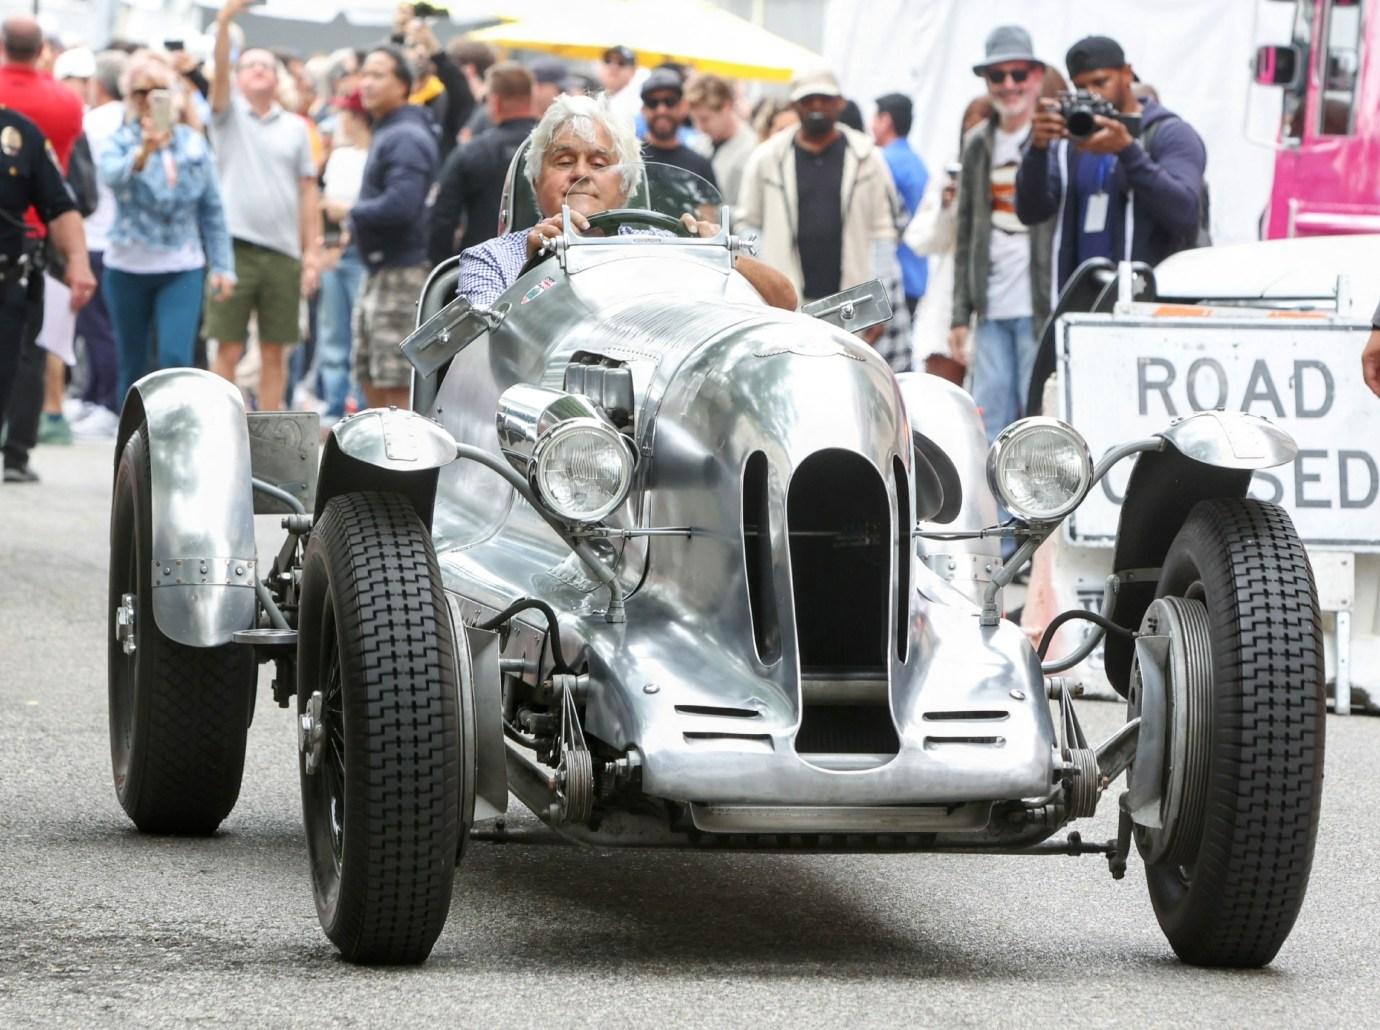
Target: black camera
<point>1081,109</point>
<point>425,10</point>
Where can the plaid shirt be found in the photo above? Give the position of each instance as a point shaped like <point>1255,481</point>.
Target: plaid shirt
<point>491,267</point>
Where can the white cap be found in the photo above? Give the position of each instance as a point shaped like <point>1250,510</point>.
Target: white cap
<point>819,83</point>
<point>77,63</point>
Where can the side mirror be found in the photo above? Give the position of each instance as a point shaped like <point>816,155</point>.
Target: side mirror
<point>854,309</point>
<point>1278,66</point>
<point>448,332</point>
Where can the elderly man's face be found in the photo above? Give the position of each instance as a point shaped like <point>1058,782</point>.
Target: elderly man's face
<point>583,174</point>
<point>1014,86</point>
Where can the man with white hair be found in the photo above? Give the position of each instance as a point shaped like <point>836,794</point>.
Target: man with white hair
<point>585,156</point>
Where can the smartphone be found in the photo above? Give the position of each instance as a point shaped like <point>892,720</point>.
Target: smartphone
<point>160,110</point>
<point>174,44</point>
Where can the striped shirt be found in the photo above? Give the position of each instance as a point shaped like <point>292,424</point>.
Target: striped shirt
<point>491,267</point>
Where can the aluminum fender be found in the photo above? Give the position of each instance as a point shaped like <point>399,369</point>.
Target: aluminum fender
<point>1163,488</point>
<point>202,503</point>
<point>1231,440</point>
<point>389,450</point>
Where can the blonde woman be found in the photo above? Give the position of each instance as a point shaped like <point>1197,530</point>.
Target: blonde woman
<point>169,225</point>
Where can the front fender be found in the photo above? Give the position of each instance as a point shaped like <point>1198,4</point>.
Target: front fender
<point>390,450</point>
<point>1211,454</point>
<point>202,509</point>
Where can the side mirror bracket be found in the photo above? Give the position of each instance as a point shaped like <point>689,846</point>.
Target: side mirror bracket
<point>854,309</point>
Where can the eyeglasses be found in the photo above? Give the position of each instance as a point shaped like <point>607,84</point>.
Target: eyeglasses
<point>996,76</point>
<point>246,65</point>
<point>652,103</point>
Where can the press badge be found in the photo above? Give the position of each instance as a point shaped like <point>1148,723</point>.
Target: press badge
<point>1095,214</point>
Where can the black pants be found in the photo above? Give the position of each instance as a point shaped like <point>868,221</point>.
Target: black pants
<point>22,362</point>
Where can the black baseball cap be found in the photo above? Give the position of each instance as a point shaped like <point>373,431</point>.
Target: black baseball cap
<point>663,79</point>
<point>622,53</point>
<point>1092,53</point>
<point>549,70</point>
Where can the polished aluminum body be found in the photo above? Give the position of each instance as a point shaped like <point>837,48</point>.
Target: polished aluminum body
<point>719,377</point>
<point>202,505</point>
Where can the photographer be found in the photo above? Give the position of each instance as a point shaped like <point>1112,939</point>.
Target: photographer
<point>1121,197</point>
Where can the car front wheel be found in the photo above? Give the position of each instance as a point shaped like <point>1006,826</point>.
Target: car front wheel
<point>378,730</point>
<point>1228,868</point>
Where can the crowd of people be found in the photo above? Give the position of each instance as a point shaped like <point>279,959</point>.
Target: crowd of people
<point>275,218</point>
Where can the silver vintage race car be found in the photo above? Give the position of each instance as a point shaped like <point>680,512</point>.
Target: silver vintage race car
<point>678,569</point>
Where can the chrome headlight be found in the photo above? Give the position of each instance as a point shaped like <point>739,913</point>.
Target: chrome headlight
<point>1039,468</point>
<point>580,465</point>
<point>582,468</point>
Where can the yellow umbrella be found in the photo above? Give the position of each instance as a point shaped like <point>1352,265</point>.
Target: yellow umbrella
<point>689,32</point>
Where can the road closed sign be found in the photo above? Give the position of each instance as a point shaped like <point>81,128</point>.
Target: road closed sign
<point>1122,380</point>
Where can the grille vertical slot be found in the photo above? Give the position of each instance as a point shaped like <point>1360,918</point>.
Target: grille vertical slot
<point>761,583</point>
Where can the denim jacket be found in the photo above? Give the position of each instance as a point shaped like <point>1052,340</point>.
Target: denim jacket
<point>154,214</point>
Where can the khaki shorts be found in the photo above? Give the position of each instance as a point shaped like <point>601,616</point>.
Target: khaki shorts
<point>266,281</point>
<point>385,314</point>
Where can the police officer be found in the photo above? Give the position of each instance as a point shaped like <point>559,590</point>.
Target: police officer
<point>30,177</point>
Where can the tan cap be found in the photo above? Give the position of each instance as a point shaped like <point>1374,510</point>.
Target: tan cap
<point>819,83</point>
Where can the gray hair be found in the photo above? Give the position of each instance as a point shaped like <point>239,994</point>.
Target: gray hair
<point>110,68</point>
<point>583,116</point>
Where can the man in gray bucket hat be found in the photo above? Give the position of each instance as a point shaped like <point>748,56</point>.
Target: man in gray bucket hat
<point>1001,267</point>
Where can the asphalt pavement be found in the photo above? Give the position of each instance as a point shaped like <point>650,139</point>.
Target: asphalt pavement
<point>102,926</point>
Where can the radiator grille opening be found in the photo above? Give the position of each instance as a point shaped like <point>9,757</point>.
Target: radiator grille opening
<point>839,522</point>
<point>761,584</point>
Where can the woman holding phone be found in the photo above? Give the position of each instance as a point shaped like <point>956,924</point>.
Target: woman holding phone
<point>169,224</point>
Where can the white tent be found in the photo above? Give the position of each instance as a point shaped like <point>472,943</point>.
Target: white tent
<point>1196,54</point>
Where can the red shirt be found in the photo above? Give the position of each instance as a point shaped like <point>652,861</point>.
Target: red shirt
<point>51,106</point>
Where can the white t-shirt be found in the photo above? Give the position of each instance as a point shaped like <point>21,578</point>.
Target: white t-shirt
<point>344,173</point>
<point>1008,269</point>
<point>100,124</point>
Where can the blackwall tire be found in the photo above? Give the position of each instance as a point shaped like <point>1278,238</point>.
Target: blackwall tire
<point>179,715</point>
<point>382,809</point>
<point>1235,900</point>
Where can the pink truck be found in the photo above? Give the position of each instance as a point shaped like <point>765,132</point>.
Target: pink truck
<point>1327,166</point>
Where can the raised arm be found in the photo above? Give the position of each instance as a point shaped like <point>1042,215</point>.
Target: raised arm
<point>220,78</point>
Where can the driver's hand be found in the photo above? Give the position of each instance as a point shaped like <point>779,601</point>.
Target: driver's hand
<point>552,228</point>
<point>698,226</point>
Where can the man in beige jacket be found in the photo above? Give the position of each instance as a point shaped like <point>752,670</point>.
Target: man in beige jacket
<point>822,199</point>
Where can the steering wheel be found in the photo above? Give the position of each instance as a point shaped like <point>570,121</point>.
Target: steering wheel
<point>612,220</point>
<point>608,223</point>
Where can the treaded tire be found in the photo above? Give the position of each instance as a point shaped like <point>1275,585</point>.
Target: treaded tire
<point>382,811</point>
<point>179,715</point>
<point>1236,902</point>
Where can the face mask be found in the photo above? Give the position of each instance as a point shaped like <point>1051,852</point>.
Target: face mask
<point>816,124</point>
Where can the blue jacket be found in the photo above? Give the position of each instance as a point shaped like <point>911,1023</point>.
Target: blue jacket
<point>389,218</point>
<point>909,174</point>
<point>1164,187</point>
<point>151,212</point>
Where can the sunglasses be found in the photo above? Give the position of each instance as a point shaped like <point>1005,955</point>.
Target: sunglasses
<point>139,94</point>
<point>652,103</point>
<point>997,76</point>
<point>616,63</point>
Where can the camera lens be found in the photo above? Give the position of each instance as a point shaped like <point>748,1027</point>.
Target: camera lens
<point>1080,122</point>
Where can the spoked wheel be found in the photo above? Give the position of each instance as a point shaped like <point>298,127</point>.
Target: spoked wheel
<point>1242,784</point>
<point>378,711</point>
<point>178,715</point>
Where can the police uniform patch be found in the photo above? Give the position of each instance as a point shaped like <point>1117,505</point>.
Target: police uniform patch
<point>11,141</point>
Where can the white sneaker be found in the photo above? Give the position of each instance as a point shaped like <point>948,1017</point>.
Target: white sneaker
<point>99,423</point>
<point>74,409</point>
